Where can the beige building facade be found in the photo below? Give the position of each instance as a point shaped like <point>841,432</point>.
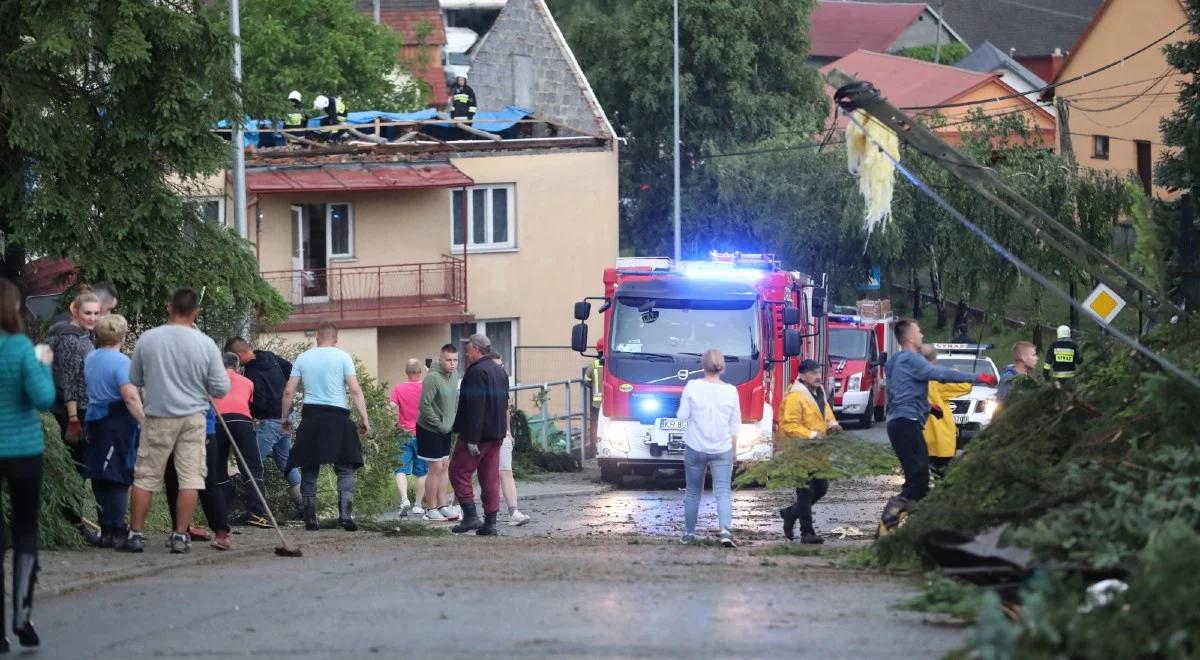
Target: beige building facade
<point>1114,114</point>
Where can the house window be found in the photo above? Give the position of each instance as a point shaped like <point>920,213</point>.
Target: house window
<point>210,209</point>
<point>502,333</point>
<point>339,226</point>
<point>489,217</point>
<point>1100,147</point>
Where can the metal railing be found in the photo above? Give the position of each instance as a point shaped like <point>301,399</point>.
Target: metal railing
<point>366,290</point>
<point>575,412</point>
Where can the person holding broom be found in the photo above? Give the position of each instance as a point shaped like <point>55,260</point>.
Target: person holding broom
<point>806,415</point>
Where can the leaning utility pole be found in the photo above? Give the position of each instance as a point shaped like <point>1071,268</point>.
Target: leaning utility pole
<point>675,160</point>
<point>855,94</point>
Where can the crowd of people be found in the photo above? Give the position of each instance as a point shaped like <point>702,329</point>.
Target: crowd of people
<point>171,415</point>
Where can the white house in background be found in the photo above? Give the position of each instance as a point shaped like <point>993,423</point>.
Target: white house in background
<point>986,58</point>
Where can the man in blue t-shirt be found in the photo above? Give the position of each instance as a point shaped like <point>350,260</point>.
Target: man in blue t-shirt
<point>326,435</point>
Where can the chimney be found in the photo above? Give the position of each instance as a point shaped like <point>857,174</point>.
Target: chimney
<point>1057,59</point>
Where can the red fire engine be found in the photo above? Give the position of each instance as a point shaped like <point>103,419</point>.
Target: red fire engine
<point>660,317</point>
<point>859,346</point>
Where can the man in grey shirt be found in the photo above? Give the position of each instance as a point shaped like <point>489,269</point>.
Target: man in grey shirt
<point>180,369</point>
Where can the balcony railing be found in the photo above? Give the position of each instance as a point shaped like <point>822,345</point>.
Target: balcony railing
<point>366,292</point>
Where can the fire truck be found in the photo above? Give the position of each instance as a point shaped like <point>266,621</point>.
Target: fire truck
<point>658,319</point>
<point>859,345</point>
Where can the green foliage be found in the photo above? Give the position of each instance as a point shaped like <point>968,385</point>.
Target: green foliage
<point>105,122</point>
<point>62,489</point>
<point>837,457</point>
<point>1153,247</point>
<point>743,78</point>
<point>324,47</point>
<point>950,53</point>
<point>942,595</point>
<point>1179,169</point>
<point>529,458</point>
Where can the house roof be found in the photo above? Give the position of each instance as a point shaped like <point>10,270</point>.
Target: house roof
<point>838,28</point>
<point>412,20</point>
<point>1030,27</point>
<point>356,177</point>
<point>907,82</point>
<point>986,58</point>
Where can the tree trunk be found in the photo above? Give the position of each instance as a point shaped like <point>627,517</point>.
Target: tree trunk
<point>914,284</point>
<point>1073,290</point>
<point>935,286</point>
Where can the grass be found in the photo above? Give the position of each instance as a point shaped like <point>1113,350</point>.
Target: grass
<point>945,596</point>
<point>794,550</point>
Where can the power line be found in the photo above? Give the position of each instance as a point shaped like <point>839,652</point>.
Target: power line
<point>1028,270</point>
<point>962,104</point>
<point>1157,82</point>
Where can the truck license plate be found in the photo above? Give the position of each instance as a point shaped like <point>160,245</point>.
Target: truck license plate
<point>671,424</point>
<point>960,419</point>
<point>675,443</point>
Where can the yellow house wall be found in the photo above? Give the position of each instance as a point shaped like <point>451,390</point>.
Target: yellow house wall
<point>362,343</point>
<point>1123,27</point>
<point>397,345</point>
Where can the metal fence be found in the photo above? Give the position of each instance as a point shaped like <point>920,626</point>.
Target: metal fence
<point>566,401</point>
<point>539,364</point>
<point>371,289</point>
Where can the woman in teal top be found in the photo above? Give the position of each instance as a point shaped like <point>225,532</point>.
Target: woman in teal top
<point>26,386</point>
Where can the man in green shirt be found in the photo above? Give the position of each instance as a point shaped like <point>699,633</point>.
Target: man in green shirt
<point>439,402</point>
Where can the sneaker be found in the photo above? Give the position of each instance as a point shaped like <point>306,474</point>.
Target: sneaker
<point>451,513</point>
<point>687,539</point>
<point>516,518</point>
<point>199,534</point>
<point>404,509</point>
<point>222,541</point>
<point>416,511</point>
<point>434,515</point>
<point>180,543</point>
<point>89,535</point>
<point>726,539</point>
<point>134,542</point>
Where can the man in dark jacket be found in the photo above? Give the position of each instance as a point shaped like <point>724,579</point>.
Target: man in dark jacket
<point>481,426</point>
<point>270,374</point>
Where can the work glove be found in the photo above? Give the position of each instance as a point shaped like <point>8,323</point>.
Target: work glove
<point>473,448</point>
<point>936,411</point>
<point>986,379</point>
<point>74,431</point>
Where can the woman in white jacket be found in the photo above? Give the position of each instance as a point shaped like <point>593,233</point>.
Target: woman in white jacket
<point>713,414</point>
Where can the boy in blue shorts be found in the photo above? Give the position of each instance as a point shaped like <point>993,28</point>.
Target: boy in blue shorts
<point>406,400</point>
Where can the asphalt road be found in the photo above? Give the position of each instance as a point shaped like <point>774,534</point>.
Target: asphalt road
<point>597,574</point>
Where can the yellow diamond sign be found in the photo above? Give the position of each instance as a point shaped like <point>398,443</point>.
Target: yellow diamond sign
<point>1104,303</point>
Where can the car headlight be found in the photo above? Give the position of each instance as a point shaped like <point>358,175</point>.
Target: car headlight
<point>990,407</point>
<point>616,434</point>
<point>854,383</point>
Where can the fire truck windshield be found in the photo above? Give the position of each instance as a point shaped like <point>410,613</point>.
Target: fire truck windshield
<point>848,343</point>
<point>685,327</point>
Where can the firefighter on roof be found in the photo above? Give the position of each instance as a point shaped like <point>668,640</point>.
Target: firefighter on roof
<point>462,99</point>
<point>295,115</point>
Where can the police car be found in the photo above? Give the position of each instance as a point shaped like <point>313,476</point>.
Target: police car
<point>973,411</point>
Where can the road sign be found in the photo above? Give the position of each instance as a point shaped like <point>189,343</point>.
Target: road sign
<point>1104,303</point>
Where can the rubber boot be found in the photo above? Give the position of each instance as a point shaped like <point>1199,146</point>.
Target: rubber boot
<point>346,512</point>
<point>310,514</point>
<point>24,578</point>
<point>470,519</point>
<point>893,512</point>
<point>489,525</point>
<point>106,537</point>
<point>808,535</point>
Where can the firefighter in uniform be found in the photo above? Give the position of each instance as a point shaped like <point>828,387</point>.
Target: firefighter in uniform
<point>295,115</point>
<point>333,113</point>
<point>1063,358</point>
<point>462,99</point>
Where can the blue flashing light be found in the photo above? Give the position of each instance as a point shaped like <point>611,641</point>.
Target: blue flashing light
<point>650,405</point>
<point>704,270</point>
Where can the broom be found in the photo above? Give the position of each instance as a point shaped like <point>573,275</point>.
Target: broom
<point>284,550</point>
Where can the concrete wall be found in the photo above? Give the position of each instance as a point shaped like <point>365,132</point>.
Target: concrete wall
<point>522,62</point>
<point>1124,26</point>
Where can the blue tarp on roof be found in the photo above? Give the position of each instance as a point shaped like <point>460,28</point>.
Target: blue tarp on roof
<point>496,121</point>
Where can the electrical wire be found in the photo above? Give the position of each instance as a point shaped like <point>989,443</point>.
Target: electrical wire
<point>963,104</point>
<point>1028,271</point>
<point>1157,82</point>
<point>1124,123</point>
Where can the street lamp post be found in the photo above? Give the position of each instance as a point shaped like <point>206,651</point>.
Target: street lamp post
<point>239,143</point>
<point>675,161</point>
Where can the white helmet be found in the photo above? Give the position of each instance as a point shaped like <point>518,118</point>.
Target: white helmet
<point>461,74</point>
<point>1064,332</point>
<point>320,103</point>
<point>294,96</point>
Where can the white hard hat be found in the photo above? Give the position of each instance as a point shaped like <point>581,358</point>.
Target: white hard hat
<point>294,96</point>
<point>320,103</point>
<point>1064,332</point>
<point>461,74</point>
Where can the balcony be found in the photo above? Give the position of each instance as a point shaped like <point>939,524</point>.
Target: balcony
<point>374,296</point>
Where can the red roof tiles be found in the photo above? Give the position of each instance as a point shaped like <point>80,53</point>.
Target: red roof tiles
<point>357,177</point>
<point>839,28</point>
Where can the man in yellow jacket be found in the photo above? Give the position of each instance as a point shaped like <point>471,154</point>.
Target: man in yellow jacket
<point>806,415</point>
<point>941,434</point>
